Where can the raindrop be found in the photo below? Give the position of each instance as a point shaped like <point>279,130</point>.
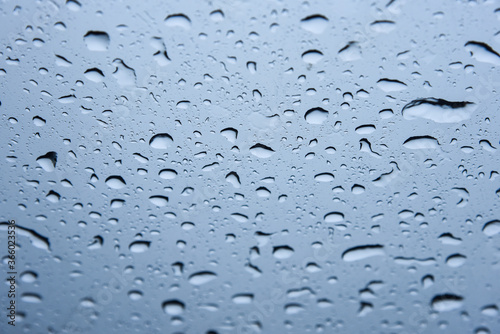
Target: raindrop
<point>31,298</point>
<point>161,141</point>
<point>202,277</point>
<point>314,23</point>
<point>491,228</point>
<point>173,307</point>
<point>159,200</point>
<point>282,252</point>
<point>391,85</point>
<point>324,177</point>
<point>482,52</point>
<point>261,151</point>
<point>438,110</point>
<point>115,182</point>
<point>455,260</point>
<point>97,40</point>
<point>316,116</point>
<point>48,161</point>
<point>178,20</point>
<point>334,217</point>
<point>167,174</point>
<point>362,252</point>
<point>242,298</point>
<point>421,143</point>
<point>446,302</point>
<point>139,246</point>
<point>312,56</point>
<point>383,26</point>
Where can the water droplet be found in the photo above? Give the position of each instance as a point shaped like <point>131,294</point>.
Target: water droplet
<point>383,26</point>
<point>324,177</point>
<point>29,276</point>
<point>455,260</point>
<point>161,141</point>
<point>159,200</point>
<point>294,308</point>
<point>438,110</point>
<point>135,295</point>
<point>490,310</point>
<point>312,56</point>
<point>483,52</point>
<point>316,116</point>
<point>261,151</point>
<point>94,74</point>
<point>139,246</point>
<point>491,228</point>
<point>391,85</point>
<point>36,239</point>
<point>334,217</point>
<point>115,182</point>
<point>167,174</point>
<point>282,252</point>
<point>202,277</point>
<point>231,134</point>
<point>217,15</point>
<point>362,252</point>
<point>31,298</point>
<point>350,52</point>
<point>97,40</point>
<point>243,298</point>
<point>173,307</point>
<point>178,20</point>
<point>421,143</point>
<point>446,302</point>
<point>314,23</point>
<point>48,161</point>
<point>240,218</point>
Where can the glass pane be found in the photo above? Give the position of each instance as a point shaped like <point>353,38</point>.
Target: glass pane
<point>250,166</point>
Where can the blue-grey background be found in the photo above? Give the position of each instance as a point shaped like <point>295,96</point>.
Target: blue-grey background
<point>247,166</point>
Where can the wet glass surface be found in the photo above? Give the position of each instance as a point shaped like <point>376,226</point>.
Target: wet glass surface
<point>251,166</point>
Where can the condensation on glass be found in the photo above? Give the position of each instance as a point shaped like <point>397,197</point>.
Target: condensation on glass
<point>252,166</point>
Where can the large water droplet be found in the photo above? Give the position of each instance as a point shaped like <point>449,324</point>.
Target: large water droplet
<point>312,56</point>
<point>178,20</point>
<point>115,182</point>
<point>483,52</point>
<point>282,252</point>
<point>446,302</point>
<point>324,177</point>
<point>161,141</point>
<point>261,151</point>
<point>202,277</point>
<point>243,298</point>
<point>316,116</point>
<point>167,174</point>
<point>383,26</point>
<point>48,161</point>
<point>31,298</point>
<point>294,308</point>
<point>362,252</point>
<point>96,40</point>
<point>173,307</point>
<point>421,142</point>
<point>350,52</point>
<point>491,228</point>
<point>159,200</point>
<point>456,260</point>
<point>391,85</point>
<point>314,23</point>
<point>438,110</point>
<point>139,246</point>
<point>334,217</point>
